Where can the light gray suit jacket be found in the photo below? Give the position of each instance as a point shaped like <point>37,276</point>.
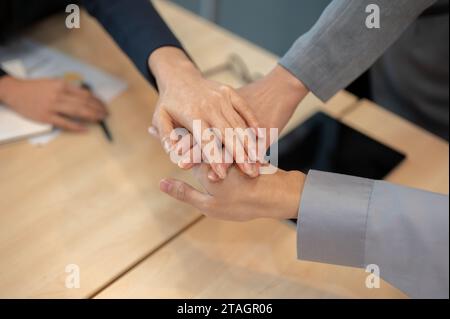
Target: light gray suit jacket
<point>354,221</point>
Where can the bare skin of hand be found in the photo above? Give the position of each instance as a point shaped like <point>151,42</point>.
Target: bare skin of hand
<point>274,99</point>
<point>240,198</point>
<point>186,96</point>
<point>52,101</point>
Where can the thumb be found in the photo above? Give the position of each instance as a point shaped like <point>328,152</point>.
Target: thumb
<point>184,193</point>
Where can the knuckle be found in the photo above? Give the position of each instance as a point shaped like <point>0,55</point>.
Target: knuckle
<point>84,99</point>
<point>225,88</point>
<point>88,97</point>
<point>211,101</point>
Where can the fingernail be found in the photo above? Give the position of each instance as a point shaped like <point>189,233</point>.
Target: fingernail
<point>250,169</point>
<point>182,164</point>
<point>212,176</point>
<point>221,171</point>
<point>152,130</point>
<point>167,146</point>
<point>165,186</point>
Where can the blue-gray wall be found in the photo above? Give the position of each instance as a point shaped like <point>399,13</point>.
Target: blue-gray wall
<point>272,24</point>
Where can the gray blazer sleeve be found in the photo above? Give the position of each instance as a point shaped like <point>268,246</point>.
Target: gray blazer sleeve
<point>357,222</point>
<point>340,47</point>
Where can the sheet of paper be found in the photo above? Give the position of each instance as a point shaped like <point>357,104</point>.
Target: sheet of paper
<point>14,127</point>
<point>42,62</point>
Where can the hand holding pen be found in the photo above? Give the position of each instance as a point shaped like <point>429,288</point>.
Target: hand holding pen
<point>76,79</point>
<point>54,101</point>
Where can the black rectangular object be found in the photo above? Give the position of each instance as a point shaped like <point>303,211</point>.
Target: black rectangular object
<point>325,144</point>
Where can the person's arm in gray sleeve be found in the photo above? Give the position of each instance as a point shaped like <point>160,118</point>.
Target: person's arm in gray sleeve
<point>356,222</point>
<point>340,47</point>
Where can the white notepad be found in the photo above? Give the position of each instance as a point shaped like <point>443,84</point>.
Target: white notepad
<point>14,127</point>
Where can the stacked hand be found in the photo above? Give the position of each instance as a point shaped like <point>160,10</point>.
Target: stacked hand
<point>235,195</point>
<point>273,98</point>
<point>185,96</point>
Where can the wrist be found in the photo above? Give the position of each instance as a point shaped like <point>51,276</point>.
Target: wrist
<point>290,89</point>
<point>170,65</point>
<point>296,183</point>
<point>288,201</point>
<point>276,96</point>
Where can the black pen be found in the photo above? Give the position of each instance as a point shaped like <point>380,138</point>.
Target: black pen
<point>105,130</point>
<point>102,123</point>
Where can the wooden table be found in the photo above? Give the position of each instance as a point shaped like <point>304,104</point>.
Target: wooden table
<point>427,163</point>
<point>80,200</point>
<point>214,259</point>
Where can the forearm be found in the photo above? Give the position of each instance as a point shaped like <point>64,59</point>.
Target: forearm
<point>287,92</point>
<point>340,47</point>
<point>275,97</point>
<point>170,64</point>
<point>284,194</point>
<point>136,27</point>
